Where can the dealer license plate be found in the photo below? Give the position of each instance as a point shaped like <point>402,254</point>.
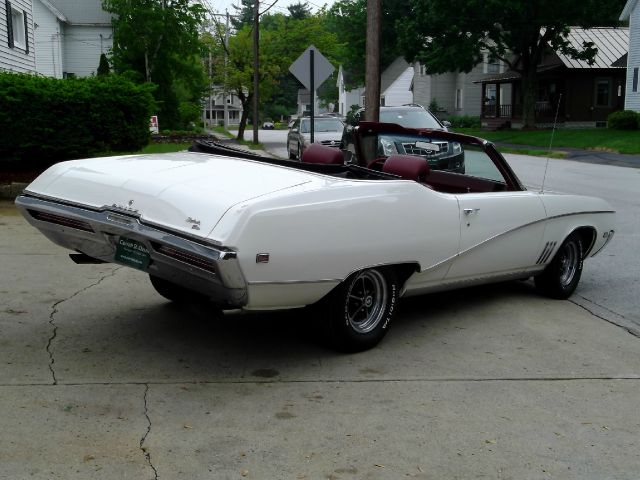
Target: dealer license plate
<point>132,253</point>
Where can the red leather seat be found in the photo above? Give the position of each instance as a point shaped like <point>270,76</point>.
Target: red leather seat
<point>317,153</point>
<point>408,167</point>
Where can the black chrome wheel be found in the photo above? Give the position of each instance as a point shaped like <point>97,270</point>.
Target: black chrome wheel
<point>361,309</point>
<point>561,277</point>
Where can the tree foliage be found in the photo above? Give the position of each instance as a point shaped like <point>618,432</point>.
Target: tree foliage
<point>158,41</point>
<point>451,35</point>
<point>282,40</point>
<point>347,19</point>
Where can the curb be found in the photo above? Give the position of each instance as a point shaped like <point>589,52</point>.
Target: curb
<point>12,190</point>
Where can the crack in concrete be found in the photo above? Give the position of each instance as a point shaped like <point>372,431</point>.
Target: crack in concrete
<point>52,321</point>
<point>145,451</point>
<point>606,314</point>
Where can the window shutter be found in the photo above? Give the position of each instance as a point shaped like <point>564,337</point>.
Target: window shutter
<point>26,32</point>
<point>9,23</point>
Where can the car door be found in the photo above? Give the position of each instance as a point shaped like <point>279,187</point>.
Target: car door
<point>500,231</point>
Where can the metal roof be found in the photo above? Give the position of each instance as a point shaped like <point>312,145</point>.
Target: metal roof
<point>612,43</point>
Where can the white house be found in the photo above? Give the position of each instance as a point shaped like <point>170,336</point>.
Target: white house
<point>631,13</point>
<point>17,36</point>
<point>347,98</point>
<point>395,83</point>
<point>214,108</point>
<point>70,36</point>
<point>395,87</point>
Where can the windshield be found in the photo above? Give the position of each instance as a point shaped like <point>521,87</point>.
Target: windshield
<point>410,118</point>
<point>322,125</point>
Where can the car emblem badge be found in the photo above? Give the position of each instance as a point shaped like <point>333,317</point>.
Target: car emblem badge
<point>195,223</point>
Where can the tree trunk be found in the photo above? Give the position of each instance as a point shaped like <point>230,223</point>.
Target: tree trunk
<point>245,101</point>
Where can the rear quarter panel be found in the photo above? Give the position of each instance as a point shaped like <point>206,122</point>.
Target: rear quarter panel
<point>315,239</point>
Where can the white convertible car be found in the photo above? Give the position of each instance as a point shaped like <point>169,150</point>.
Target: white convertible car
<point>257,233</point>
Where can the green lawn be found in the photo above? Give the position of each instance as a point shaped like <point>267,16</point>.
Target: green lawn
<point>165,147</point>
<point>620,141</point>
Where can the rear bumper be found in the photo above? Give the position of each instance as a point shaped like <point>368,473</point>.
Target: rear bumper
<point>211,270</point>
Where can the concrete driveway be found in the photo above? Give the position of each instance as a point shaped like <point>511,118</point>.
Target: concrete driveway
<point>101,378</point>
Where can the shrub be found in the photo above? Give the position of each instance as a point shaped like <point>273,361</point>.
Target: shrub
<point>44,120</point>
<point>464,121</point>
<point>623,120</point>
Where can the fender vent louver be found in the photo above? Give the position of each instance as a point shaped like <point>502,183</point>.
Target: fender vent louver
<point>546,252</point>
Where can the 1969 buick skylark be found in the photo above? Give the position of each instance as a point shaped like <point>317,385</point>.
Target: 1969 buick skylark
<point>418,211</point>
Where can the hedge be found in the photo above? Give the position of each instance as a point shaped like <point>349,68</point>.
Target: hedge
<point>44,120</point>
<point>623,120</point>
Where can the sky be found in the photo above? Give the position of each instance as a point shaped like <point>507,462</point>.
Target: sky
<point>281,6</point>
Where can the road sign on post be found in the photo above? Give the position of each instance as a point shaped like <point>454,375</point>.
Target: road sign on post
<point>312,69</point>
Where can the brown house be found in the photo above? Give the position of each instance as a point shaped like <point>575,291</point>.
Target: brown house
<point>583,95</point>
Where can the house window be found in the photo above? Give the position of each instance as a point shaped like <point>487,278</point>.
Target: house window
<point>17,28</point>
<point>459,99</point>
<point>603,92</point>
<point>382,100</point>
<point>492,64</point>
<point>423,70</point>
<point>634,83</point>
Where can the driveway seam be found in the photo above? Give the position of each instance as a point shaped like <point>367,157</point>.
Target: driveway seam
<point>593,378</point>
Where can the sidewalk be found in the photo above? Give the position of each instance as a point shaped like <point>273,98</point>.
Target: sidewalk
<point>578,155</point>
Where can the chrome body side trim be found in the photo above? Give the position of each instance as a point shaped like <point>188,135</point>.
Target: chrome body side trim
<point>222,281</point>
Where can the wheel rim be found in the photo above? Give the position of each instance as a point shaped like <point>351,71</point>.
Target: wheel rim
<point>569,260</point>
<point>366,301</point>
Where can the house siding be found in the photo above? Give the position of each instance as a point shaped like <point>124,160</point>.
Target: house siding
<point>48,38</point>
<point>632,100</point>
<point>16,59</point>
<point>83,46</point>
<point>399,93</point>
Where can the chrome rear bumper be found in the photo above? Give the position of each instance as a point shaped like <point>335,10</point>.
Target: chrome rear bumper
<point>192,263</point>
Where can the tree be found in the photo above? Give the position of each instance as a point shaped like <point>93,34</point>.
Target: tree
<point>282,40</point>
<point>243,15</point>
<point>103,67</point>
<point>299,11</point>
<point>514,31</point>
<point>158,41</point>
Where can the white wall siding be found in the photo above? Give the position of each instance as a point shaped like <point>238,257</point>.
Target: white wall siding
<point>83,46</point>
<point>16,59</point>
<point>421,87</point>
<point>398,93</point>
<point>632,99</point>
<point>48,41</point>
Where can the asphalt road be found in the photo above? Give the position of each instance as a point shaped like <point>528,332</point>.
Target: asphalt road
<point>102,378</point>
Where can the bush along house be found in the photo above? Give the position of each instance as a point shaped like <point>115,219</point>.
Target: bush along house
<point>589,92</point>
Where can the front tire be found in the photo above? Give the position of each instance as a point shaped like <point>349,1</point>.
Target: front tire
<point>361,309</point>
<point>560,279</point>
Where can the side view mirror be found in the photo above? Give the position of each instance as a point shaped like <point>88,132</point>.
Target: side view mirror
<point>446,123</point>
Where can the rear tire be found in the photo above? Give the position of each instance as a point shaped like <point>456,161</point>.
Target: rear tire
<point>560,279</point>
<point>361,309</point>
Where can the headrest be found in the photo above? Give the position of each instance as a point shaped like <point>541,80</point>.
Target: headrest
<point>408,167</point>
<point>318,153</point>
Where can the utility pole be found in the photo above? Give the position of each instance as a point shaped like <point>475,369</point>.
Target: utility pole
<point>372,65</point>
<point>226,62</point>
<point>256,67</point>
<point>210,88</point>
